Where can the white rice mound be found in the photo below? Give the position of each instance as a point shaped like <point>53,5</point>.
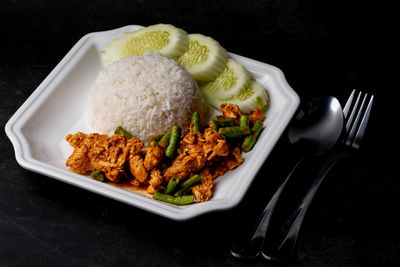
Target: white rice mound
<point>146,95</point>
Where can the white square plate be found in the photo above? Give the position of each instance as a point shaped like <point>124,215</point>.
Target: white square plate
<point>37,130</point>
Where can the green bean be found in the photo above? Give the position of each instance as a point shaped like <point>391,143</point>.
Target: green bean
<point>195,122</point>
<point>248,143</point>
<point>220,121</point>
<point>244,121</point>
<point>121,130</point>
<point>188,183</point>
<point>173,141</point>
<point>158,137</point>
<point>154,140</point>
<point>235,131</point>
<point>163,143</point>
<point>250,140</point>
<point>257,127</point>
<point>181,200</point>
<point>97,175</point>
<point>172,185</point>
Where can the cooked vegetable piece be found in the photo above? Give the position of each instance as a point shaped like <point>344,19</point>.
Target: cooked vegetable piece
<point>250,140</point>
<point>188,183</point>
<point>237,131</point>
<point>174,141</point>
<point>244,121</point>
<point>181,200</point>
<point>152,143</point>
<point>172,185</point>
<point>121,130</point>
<point>163,143</point>
<point>220,121</point>
<point>158,137</point>
<point>97,175</point>
<point>233,132</point>
<point>195,122</point>
<point>154,140</point>
<point>257,127</point>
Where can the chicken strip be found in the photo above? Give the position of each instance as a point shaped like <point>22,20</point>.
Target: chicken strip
<point>221,165</point>
<point>156,180</point>
<point>136,167</point>
<point>98,152</point>
<point>153,157</point>
<point>185,164</point>
<point>230,111</point>
<point>197,149</point>
<point>135,160</point>
<point>191,138</point>
<point>203,191</point>
<point>79,161</point>
<point>214,144</point>
<point>234,159</point>
<point>257,115</point>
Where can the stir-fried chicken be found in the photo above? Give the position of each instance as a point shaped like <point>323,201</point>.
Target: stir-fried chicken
<point>191,138</point>
<point>204,190</point>
<point>153,157</point>
<point>99,152</point>
<point>136,162</point>
<point>214,144</point>
<point>213,169</point>
<point>136,167</point>
<point>230,111</point>
<point>205,153</point>
<point>79,162</point>
<point>234,159</point>
<point>109,154</point>
<point>257,115</point>
<point>196,150</point>
<point>220,165</point>
<point>185,164</point>
<point>156,180</point>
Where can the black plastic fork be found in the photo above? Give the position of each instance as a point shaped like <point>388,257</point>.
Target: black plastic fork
<point>356,113</point>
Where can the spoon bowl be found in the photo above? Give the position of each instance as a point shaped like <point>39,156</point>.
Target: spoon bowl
<point>317,126</point>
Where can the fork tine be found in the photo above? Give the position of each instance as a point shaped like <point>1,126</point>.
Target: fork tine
<point>352,113</point>
<point>356,109</point>
<point>363,125</point>
<point>348,104</point>
<point>359,111</point>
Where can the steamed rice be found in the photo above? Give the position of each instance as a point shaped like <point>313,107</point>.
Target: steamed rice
<point>145,94</point>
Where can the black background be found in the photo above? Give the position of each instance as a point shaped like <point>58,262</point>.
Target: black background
<point>323,47</point>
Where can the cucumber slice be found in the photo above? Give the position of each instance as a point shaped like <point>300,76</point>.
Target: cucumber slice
<point>213,102</point>
<point>233,79</point>
<point>255,96</point>
<point>247,99</point>
<point>204,58</point>
<point>166,39</point>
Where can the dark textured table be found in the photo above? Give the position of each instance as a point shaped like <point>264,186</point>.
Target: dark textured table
<point>324,48</point>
